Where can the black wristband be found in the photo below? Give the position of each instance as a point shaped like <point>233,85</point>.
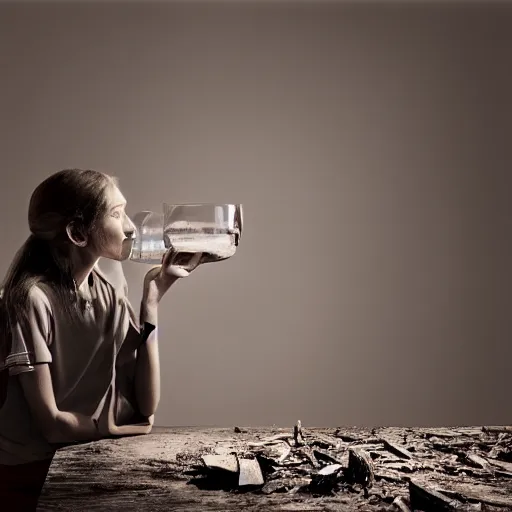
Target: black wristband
<point>145,331</point>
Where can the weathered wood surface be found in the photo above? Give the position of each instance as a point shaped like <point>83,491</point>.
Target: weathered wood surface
<point>150,473</point>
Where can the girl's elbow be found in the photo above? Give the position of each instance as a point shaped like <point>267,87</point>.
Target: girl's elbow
<point>148,410</point>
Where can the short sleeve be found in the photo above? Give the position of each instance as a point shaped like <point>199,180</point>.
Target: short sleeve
<point>31,337</point>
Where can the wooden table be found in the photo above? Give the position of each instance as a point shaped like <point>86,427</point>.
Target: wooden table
<point>143,473</point>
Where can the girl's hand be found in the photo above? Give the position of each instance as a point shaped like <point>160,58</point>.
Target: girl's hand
<point>175,265</point>
<point>107,425</point>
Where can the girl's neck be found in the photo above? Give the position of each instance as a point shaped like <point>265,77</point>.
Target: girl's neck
<point>82,264</point>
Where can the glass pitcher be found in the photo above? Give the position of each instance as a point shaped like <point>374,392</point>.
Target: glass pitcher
<point>211,229</point>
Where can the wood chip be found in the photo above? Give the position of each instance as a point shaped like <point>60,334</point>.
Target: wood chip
<point>250,473</point>
<point>330,469</point>
<point>221,462</point>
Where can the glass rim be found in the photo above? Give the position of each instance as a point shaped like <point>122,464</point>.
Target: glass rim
<point>202,204</point>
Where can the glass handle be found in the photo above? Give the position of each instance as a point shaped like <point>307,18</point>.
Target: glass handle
<point>239,220</point>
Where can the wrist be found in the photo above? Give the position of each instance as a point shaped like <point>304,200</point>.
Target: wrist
<point>146,330</point>
<point>149,312</point>
<point>155,289</point>
<point>98,434</point>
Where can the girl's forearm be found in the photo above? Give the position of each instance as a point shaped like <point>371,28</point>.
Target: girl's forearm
<point>130,430</point>
<point>147,372</point>
<point>72,427</point>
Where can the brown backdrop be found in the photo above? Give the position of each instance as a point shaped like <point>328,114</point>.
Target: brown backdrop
<point>370,145</point>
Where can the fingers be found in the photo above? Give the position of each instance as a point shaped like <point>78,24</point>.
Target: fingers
<point>180,264</point>
<point>168,256</point>
<point>195,260</point>
<point>178,271</point>
<point>152,272</point>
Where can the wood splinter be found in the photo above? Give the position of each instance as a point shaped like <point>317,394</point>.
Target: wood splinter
<point>297,434</point>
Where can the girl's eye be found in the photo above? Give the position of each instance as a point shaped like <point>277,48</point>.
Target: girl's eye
<point>116,215</point>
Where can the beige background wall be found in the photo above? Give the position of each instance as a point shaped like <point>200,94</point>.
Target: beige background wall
<point>370,146</point>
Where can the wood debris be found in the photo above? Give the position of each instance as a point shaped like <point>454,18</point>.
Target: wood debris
<point>401,504</point>
<point>402,469</point>
<point>250,473</point>
<point>221,462</point>
<point>396,449</point>
<point>360,468</point>
<point>427,499</point>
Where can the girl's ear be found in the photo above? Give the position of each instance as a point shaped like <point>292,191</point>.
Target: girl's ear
<point>76,235</point>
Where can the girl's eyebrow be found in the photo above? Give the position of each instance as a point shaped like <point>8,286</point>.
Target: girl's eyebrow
<point>118,205</point>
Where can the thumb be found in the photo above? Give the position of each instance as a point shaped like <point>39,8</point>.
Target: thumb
<point>168,257</point>
<point>152,273</point>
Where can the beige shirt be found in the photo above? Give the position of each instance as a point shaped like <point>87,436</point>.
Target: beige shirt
<point>91,364</point>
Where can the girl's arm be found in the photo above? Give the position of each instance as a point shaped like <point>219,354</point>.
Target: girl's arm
<point>56,426</point>
<point>156,283</point>
<point>147,370</point>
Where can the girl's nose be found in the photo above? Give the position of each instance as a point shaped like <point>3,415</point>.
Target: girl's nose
<point>129,228</point>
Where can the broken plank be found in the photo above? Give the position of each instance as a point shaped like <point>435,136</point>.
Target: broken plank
<point>497,430</point>
<point>328,457</point>
<point>309,454</point>
<point>250,473</point>
<point>427,499</point>
<point>401,505</point>
<point>325,440</point>
<point>397,450</point>
<point>277,437</point>
<point>474,495</point>
<point>479,461</point>
<point>360,468</point>
<point>281,484</point>
<point>390,477</point>
<point>400,466</point>
<point>221,462</point>
<point>505,466</point>
<point>447,433</point>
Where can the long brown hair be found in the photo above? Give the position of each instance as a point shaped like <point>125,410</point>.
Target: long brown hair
<point>70,196</point>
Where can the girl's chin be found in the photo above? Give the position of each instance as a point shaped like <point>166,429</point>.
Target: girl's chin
<point>122,254</point>
<point>126,250</point>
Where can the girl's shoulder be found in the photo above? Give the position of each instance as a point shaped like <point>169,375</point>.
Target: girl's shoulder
<point>41,295</point>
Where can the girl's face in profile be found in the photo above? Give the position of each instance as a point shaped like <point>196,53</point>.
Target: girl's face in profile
<point>114,237</point>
